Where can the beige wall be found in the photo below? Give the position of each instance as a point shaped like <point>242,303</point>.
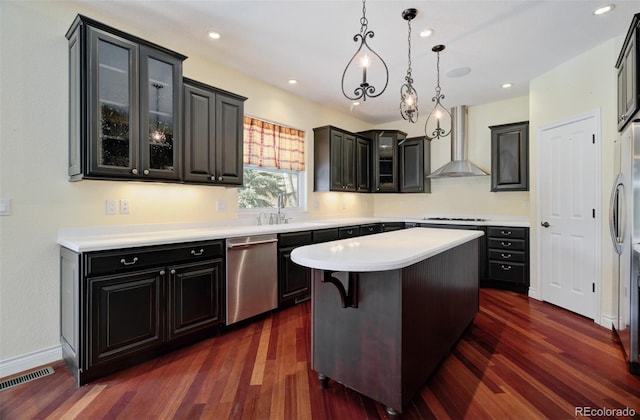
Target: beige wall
<point>33,160</point>
<point>463,196</point>
<point>584,84</point>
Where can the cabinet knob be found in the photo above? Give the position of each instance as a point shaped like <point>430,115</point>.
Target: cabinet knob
<point>146,172</point>
<point>213,177</point>
<point>173,271</point>
<point>219,178</point>
<point>162,272</point>
<point>134,171</point>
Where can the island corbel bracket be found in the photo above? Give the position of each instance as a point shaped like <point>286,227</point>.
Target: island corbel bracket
<point>349,297</point>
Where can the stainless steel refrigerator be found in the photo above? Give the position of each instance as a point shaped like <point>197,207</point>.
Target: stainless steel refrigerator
<point>624,223</point>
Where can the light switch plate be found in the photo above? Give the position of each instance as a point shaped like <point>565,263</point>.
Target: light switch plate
<point>5,206</point>
<point>110,207</point>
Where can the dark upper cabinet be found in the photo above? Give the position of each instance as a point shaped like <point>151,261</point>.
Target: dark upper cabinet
<point>384,158</point>
<point>363,165</point>
<point>213,134</point>
<point>628,75</point>
<point>124,106</point>
<point>510,157</point>
<point>337,160</point>
<point>415,164</point>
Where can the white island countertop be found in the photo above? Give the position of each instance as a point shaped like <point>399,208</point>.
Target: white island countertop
<point>381,252</point>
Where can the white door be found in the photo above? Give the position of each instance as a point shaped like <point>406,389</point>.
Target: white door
<point>567,202</point>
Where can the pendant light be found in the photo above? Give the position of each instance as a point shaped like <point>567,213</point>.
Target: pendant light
<point>363,57</point>
<point>408,95</point>
<point>438,122</point>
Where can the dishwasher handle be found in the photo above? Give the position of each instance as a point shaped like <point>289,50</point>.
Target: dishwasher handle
<point>249,244</point>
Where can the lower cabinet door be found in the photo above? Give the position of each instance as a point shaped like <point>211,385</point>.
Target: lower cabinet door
<point>125,316</point>
<point>294,279</point>
<point>195,293</point>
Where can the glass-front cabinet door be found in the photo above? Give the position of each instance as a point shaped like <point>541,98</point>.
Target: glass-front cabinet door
<point>135,100</point>
<point>160,78</point>
<point>113,105</point>
<point>387,162</point>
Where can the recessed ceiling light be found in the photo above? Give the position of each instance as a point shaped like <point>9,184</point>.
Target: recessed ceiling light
<point>507,85</point>
<point>214,35</point>
<point>426,33</point>
<point>459,72</point>
<point>604,9</point>
<point>292,81</point>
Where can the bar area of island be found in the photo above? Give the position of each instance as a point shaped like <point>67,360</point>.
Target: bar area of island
<point>388,308</point>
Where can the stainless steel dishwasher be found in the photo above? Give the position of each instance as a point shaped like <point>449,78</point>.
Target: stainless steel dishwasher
<point>252,276</point>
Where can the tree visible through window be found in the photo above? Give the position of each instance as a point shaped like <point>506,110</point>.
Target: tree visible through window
<point>263,185</point>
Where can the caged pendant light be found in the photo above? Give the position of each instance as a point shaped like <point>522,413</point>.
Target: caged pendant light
<point>408,94</point>
<point>362,57</point>
<point>439,116</point>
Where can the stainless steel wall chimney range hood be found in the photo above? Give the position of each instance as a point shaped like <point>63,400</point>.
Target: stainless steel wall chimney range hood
<point>459,165</point>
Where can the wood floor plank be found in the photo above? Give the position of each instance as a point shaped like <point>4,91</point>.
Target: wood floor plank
<point>521,358</point>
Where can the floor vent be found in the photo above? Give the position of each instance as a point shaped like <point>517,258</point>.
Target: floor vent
<point>27,377</point>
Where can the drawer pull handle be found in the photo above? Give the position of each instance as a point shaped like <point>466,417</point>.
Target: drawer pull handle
<point>505,243</point>
<point>506,267</point>
<point>506,232</point>
<point>350,232</point>
<point>125,262</point>
<point>193,252</point>
<point>505,256</point>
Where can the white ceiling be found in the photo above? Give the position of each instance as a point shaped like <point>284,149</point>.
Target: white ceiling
<point>312,41</point>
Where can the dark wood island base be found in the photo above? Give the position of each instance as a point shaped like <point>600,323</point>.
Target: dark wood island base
<point>405,322</point>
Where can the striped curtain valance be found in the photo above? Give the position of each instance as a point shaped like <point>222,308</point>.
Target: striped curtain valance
<point>272,146</point>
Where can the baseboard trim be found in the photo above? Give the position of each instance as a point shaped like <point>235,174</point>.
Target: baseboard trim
<point>533,293</point>
<point>30,361</point>
<point>607,321</point>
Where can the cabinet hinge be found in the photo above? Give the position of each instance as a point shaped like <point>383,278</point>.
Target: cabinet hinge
<point>593,213</point>
<point>593,287</point>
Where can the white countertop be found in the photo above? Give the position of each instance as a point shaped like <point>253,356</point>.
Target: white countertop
<point>381,252</point>
<point>86,239</point>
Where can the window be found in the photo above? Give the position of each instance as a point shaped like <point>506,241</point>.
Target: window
<point>262,186</point>
<point>273,165</point>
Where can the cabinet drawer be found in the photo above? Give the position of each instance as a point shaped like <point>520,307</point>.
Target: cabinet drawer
<point>294,239</point>
<point>507,232</point>
<point>348,232</point>
<point>507,256</point>
<point>325,235</point>
<point>510,272</point>
<point>518,244</point>
<point>370,229</point>
<point>104,262</point>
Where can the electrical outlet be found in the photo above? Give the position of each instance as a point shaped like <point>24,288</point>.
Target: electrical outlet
<point>124,206</point>
<point>111,207</point>
<point>5,207</point>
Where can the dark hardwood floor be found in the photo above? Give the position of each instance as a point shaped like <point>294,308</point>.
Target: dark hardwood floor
<point>520,359</point>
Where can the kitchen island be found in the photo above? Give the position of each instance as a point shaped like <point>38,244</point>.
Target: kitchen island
<point>388,308</point>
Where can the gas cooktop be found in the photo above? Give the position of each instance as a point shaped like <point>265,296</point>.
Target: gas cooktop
<point>457,219</point>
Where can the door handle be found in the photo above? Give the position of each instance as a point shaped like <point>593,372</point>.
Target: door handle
<point>545,224</point>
